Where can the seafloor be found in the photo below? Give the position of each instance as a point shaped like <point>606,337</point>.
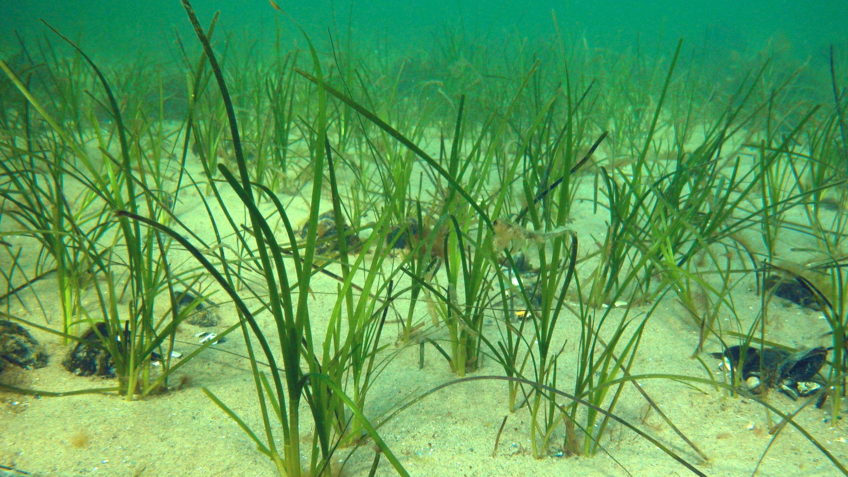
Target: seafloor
<point>451,432</point>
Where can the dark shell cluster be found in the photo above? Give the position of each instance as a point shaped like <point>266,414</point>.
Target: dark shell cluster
<point>93,355</point>
<point>328,235</point>
<point>793,374</point>
<point>404,235</point>
<point>19,348</point>
<point>200,312</point>
<point>793,290</point>
<point>90,357</point>
<point>529,278</point>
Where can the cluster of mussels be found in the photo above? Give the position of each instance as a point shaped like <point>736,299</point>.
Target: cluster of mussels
<point>19,348</point>
<point>93,353</point>
<point>795,374</point>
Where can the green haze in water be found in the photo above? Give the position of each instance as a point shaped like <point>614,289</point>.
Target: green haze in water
<point>804,30</point>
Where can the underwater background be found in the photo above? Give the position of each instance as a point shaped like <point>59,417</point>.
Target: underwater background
<point>803,29</point>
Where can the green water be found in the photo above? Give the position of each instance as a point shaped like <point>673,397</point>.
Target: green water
<point>805,29</point>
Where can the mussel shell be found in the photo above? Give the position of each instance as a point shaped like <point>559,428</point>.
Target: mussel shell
<point>18,347</point>
<point>803,365</point>
<point>756,362</point>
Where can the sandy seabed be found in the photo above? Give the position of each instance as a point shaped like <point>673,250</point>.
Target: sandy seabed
<point>450,433</point>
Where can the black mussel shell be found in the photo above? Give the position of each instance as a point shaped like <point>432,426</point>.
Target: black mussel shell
<point>803,365</point>
<point>18,347</point>
<point>775,367</point>
<point>203,314</point>
<point>401,236</point>
<point>756,361</point>
<point>327,235</point>
<point>186,298</point>
<point>793,290</point>
<point>90,357</point>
